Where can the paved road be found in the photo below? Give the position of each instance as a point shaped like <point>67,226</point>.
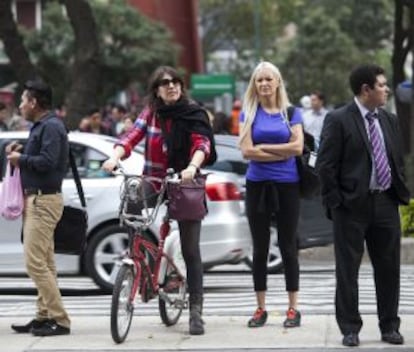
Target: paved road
<point>229,302</point>
<point>227,293</point>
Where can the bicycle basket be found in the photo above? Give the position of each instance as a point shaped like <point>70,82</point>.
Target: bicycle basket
<point>138,194</point>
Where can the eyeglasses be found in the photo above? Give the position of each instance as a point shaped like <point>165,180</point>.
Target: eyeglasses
<point>165,82</point>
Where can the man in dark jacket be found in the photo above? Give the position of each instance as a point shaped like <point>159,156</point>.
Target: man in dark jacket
<point>43,165</point>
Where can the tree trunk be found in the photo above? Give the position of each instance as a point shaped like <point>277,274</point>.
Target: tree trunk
<point>411,45</point>
<point>86,69</point>
<point>13,45</point>
<point>403,42</point>
<point>399,57</point>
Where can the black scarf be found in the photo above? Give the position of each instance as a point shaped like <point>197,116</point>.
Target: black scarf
<point>187,118</point>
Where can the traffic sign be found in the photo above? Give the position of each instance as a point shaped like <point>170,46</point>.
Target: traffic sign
<point>203,85</point>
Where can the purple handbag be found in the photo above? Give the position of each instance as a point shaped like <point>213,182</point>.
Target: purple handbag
<point>11,195</point>
<point>187,201</point>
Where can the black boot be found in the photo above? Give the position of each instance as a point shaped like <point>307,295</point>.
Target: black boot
<point>196,310</point>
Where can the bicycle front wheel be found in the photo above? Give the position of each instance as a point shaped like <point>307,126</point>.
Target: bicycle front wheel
<point>172,296</point>
<point>122,306</point>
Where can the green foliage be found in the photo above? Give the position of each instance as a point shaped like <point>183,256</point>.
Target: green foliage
<point>314,42</point>
<point>234,24</point>
<point>51,48</point>
<point>320,58</point>
<point>368,23</point>
<point>407,219</point>
<point>131,46</point>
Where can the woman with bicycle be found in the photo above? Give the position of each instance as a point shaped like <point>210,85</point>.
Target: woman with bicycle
<point>179,136</point>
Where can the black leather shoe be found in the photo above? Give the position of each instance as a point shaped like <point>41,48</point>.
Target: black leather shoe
<point>351,339</point>
<point>50,328</point>
<point>393,337</point>
<point>28,327</point>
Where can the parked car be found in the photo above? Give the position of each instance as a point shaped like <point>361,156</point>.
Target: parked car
<point>225,236</point>
<point>314,229</point>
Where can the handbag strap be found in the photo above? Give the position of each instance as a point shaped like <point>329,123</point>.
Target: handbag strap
<point>309,140</point>
<point>76,178</point>
<point>290,111</point>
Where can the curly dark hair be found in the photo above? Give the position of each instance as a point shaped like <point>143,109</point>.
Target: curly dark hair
<point>154,81</point>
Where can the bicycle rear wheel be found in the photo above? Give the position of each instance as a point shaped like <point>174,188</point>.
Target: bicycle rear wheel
<point>122,306</point>
<point>172,296</point>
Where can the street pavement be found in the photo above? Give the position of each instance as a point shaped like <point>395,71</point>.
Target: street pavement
<point>318,332</point>
<point>229,302</point>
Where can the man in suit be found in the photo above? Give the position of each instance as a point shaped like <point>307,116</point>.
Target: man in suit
<point>360,167</point>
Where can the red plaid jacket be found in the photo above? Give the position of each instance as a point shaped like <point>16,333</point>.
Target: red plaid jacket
<point>156,159</point>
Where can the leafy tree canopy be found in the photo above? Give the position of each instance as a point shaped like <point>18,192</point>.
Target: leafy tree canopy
<point>314,42</point>
<point>131,46</point>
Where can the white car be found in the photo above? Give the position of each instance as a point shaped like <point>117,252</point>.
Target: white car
<point>225,236</point>
<point>314,229</point>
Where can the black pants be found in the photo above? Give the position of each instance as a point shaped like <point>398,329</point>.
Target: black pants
<point>377,224</point>
<point>190,247</point>
<point>263,201</point>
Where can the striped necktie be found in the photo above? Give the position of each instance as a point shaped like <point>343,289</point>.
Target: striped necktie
<point>382,168</point>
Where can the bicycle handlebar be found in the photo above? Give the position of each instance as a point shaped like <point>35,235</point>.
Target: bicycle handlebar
<point>134,193</point>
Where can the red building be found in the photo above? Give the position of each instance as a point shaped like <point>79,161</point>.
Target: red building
<point>180,16</point>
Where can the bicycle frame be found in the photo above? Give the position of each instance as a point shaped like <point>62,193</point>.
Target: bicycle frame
<point>146,267</point>
<point>141,250</point>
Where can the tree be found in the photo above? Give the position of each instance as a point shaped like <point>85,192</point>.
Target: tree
<point>85,72</point>
<point>249,28</point>
<point>313,52</point>
<point>48,47</point>
<point>129,47</point>
<point>132,46</point>
<point>320,60</point>
<point>92,50</point>
<point>13,44</point>
<point>403,42</point>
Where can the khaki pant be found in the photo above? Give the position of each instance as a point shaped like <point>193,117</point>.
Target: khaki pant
<point>41,214</point>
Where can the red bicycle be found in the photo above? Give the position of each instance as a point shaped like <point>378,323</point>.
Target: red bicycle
<point>147,270</point>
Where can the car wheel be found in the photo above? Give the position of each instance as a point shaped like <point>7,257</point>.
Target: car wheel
<point>101,254</point>
<point>274,260</point>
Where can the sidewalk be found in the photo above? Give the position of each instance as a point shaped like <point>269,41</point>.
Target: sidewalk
<point>326,253</point>
<point>148,333</point>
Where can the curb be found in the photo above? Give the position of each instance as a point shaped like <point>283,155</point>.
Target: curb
<point>326,253</point>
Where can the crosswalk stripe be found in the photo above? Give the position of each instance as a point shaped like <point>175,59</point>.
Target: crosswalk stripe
<point>225,294</point>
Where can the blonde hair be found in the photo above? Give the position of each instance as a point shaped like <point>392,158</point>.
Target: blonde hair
<point>251,101</point>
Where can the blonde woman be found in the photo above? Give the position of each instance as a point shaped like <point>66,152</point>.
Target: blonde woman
<point>270,142</point>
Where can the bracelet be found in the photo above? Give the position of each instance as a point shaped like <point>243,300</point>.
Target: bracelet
<point>194,165</point>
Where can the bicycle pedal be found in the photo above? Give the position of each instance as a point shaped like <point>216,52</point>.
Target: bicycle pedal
<point>180,304</point>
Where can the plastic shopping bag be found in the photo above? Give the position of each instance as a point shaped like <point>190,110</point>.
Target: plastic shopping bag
<point>11,194</point>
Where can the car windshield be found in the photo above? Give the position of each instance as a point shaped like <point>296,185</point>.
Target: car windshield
<point>229,157</point>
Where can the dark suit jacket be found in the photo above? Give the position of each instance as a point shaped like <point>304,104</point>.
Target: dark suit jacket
<point>344,158</point>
